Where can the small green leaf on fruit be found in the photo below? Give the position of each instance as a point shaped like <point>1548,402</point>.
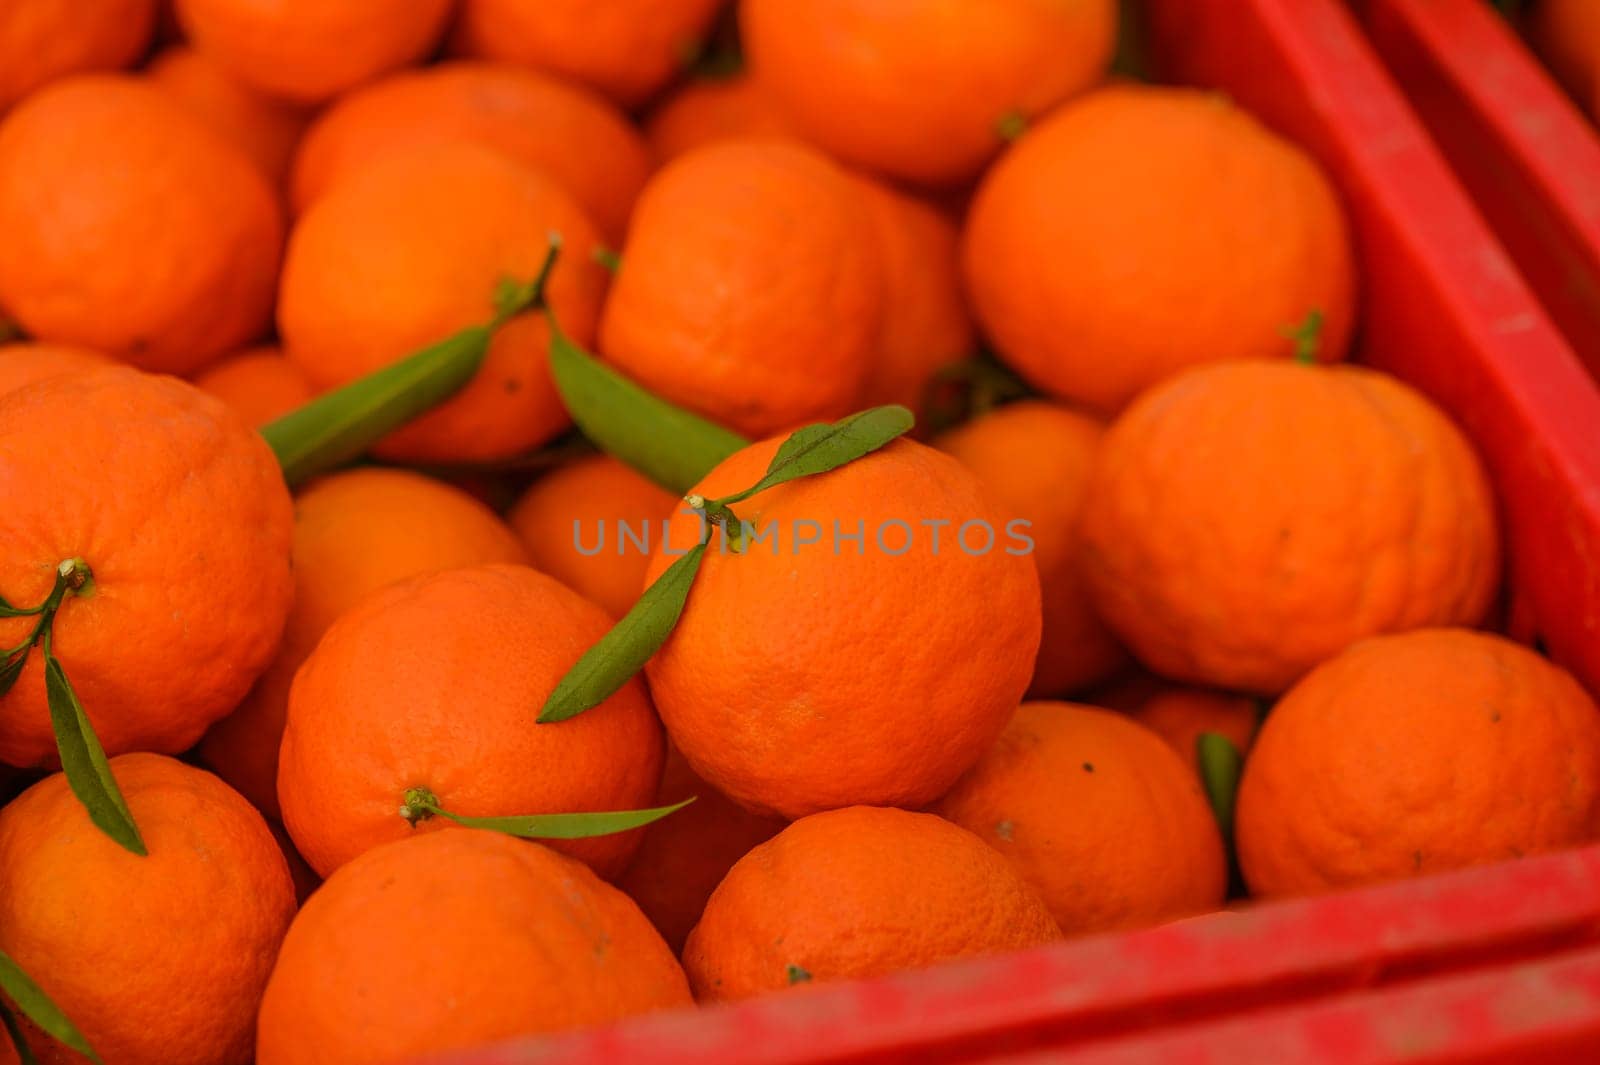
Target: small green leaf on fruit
<point>567,826</point>
<point>820,448</point>
<point>84,760</point>
<point>797,975</point>
<point>37,1007</point>
<point>624,650</point>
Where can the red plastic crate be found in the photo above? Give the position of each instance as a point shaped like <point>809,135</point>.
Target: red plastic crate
<point>1496,964</point>
<point>1523,150</point>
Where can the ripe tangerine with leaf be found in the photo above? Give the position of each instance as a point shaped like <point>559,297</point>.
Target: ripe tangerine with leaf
<point>414,248</point>
<point>802,678</point>
<point>179,514</point>
<point>435,683</point>
<point>158,959</point>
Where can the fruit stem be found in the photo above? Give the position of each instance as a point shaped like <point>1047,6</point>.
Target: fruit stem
<point>718,513</point>
<point>1011,125</point>
<point>72,576</point>
<point>1307,337</point>
<point>511,297</point>
<point>418,805</point>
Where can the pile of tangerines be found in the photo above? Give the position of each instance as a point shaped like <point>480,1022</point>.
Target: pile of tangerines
<point>926,376</point>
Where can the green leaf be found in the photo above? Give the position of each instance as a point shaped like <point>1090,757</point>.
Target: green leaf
<point>38,1008</point>
<point>625,649</point>
<point>667,444</point>
<point>567,826</point>
<point>819,448</point>
<point>1219,771</point>
<point>13,668</point>
<point>797,975</point>
<point>84,760</point>
<point>19,1041</point>
<point>337,427</point>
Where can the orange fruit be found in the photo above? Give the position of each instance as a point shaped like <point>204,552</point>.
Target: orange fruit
<point>1099,815</point>
<point>180,512</point>
<point>685,856</point>
<point>262,127</point>
<point>304,878</point>
<point>260,383</point>
<point>355,533</point>
<point>1567,35</point>
<point>707,314</point>
<point>575,137</point>
<point>925,325</point>
<point>312,50</point>
<point>707,110</point>
<point>485,645</point>
<point>1180,715</point>
<point>130,227</point>
<point>1416,753</point>
<point>592,524</point>
<point>1141,230</point>
<point>923,91</point>
<point>42,40</point>
<point>1246,520</point>
<point>157,959</point>
<point>513,939</point>
<point>1034,457</point>
<point>410,250</point>
<point>626,49</point>
<point>858,892</point>
<point>809,671</point>
<point>25,362</point>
